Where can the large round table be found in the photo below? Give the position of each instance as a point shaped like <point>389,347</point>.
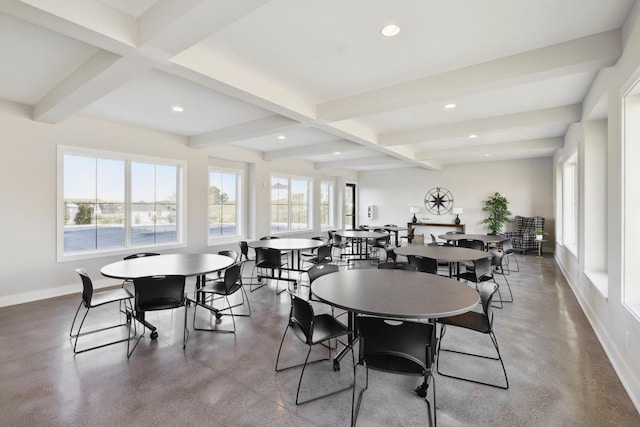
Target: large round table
<point>166,265</point>
<point>357,237</point>
<point>450,254</point>
<point>393,293</point>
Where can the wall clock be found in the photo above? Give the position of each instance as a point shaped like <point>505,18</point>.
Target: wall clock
<point>438,201</point>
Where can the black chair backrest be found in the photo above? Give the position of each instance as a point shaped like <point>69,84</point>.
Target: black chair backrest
<point>319,270</point>
<point>140,255</point>
<point>496,257</point>
<point>301,319</point>
<point>487,290</point>
<point>482,268</point>
<point>395,346</point>
<point>507,246</point>
<point>337,239</point>
<point>268,257</point>
<point>231,277</point>
<point>269,237</point>
<point>396,266</point>
<point>391,254</point>
<point>433,238</point>
<point>230,253</point>
<point>324,254</point>
<point>87,286</point>
<point>244,250</point>
<point>331,234</point>
<point>423,264</point>
<point>159,292</point>
<point>471,244</point>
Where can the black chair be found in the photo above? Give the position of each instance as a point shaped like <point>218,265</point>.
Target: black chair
<point>479,322</point>
<point>395,346</point>
<point>140,255</point>
<point>311,329</point>
<point>244,255</point>
<point>423,264</point>
<point>231,254</point>
<point>91,299</point>
<point>156,293</point>
<point>410,235</point>
<point>507,247</point>
<point>320,270</point>
<point>339,244</point>
<point>396,266</point>
<point>269,237</point>
<point>497,262</point>
<point>229,285</point>
<point>322,255</point>
<point>471,244</point>
<point>267,259</point>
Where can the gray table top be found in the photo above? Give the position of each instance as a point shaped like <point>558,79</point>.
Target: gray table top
<point>395,293</point>
<point>292,244</point>
<point>443,253</point>
<point>360,234</point>
<point>165,265</point>
<point>486,238</point>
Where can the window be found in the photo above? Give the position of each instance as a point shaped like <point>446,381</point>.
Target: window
<point>110,202</point>
<point>631,200</point>
<point>326,204</point>
<point>289,204</point>
<point>224,193</point>
<point>570,203</point>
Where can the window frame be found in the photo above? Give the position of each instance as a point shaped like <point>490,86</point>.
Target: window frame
<point>128,159</point>
<point>212,241</point>
<point>309,181</point>
<point>330,205</point>
<point>570,207</point>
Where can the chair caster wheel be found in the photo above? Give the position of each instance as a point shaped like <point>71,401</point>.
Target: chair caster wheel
<point>336,365</point>
<point>218,315</point>
<point>421,390</point>
<point>154,335</point>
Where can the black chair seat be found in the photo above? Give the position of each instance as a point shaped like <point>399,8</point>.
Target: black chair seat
<point>325,327</point>
<point>159,303</point>
<point>219,287</point>
<point>105,297</point>
<point>471,276</point>
<point>470,320</point>
<point>394,364</point>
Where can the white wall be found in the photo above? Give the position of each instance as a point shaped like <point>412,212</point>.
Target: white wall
<point>527,184</point>
<point>616,327</point>
<point>29,270</point>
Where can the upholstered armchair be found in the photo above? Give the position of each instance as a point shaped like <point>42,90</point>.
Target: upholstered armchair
<point>522,237</point>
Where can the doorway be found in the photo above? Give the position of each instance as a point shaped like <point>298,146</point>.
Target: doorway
<point>350,207</point>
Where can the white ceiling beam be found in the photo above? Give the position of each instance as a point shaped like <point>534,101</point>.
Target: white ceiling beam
<point>260,127</point>
<point>501,148</point>
<point>173,26</point>
<point>95,78</point>
<point>328,147</point>
<point>585,54</point>
<point>351,163</point>
<point>596,101</point>
<point>566,114</point>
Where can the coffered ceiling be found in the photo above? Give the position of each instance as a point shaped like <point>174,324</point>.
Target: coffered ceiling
<point>316,80</point>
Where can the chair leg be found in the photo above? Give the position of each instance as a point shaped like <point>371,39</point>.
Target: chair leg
<point>76,337</point>
<point>499,358</point>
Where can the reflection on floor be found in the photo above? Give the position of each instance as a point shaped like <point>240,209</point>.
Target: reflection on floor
<point>559,374</point>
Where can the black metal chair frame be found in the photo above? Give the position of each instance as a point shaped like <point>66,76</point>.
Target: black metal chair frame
<point>91,299</point>
<point>304,324</point>
<point>395,346</point>
<point>497,261</point>
<point>155,293</point>
<point>479,322</point>
<point>229,285</point>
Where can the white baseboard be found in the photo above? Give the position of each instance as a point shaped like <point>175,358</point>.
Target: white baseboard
<point>627,377</point>
<point>59,291</point>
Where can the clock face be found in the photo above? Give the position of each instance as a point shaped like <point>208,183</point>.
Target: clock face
<point>438,201</point>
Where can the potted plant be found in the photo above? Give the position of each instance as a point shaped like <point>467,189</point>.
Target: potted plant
<point>539,233</point>
<point>497,208</point>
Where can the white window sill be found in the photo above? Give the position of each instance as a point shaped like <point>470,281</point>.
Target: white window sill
<point>600,280</point>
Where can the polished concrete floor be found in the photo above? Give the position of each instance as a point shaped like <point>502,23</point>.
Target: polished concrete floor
<point>558,373</point>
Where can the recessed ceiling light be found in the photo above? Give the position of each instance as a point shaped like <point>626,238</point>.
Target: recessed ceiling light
<point>390,30</point>
<point>473,135</point>
<point>177,108</point>
<point>282,137</point>
<point>337,153</point>
<point>450,106</point>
